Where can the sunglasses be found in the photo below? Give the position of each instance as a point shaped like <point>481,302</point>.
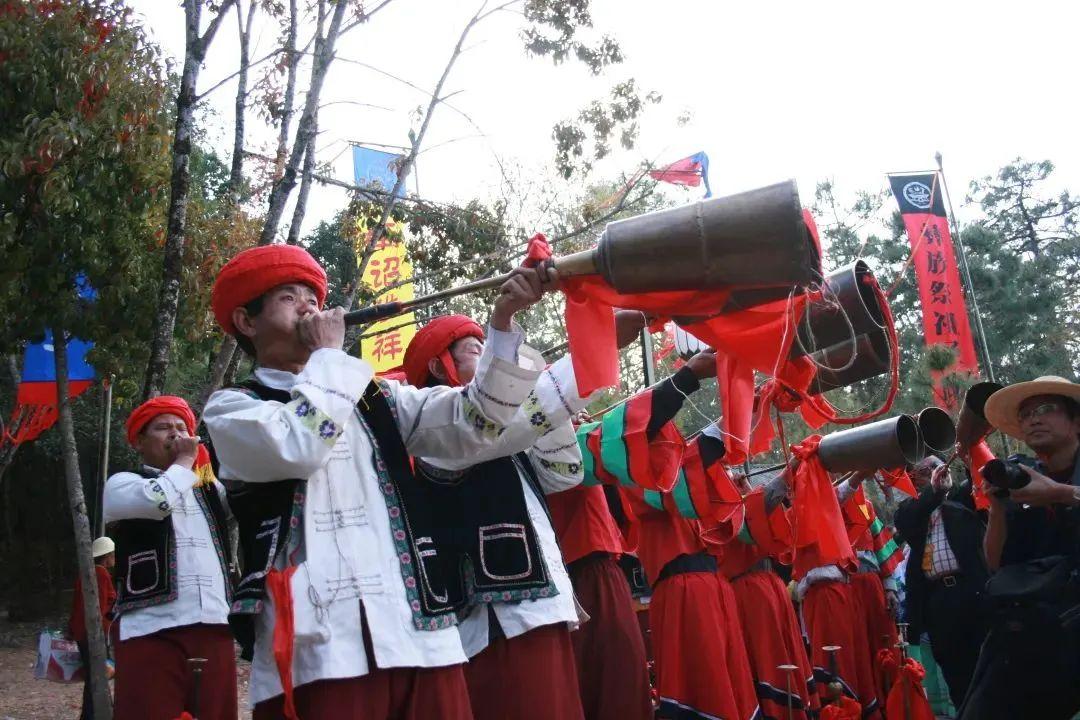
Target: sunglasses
<point>1038,411</point>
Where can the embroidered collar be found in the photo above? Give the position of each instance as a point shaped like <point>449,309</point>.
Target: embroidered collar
<point>277,379</point>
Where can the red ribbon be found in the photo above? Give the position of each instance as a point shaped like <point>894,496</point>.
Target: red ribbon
<point>844,709</point>
<point>279,586</point>
<point>820,534</point>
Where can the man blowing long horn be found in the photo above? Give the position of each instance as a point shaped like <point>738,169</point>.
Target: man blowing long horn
<point>337,530</point>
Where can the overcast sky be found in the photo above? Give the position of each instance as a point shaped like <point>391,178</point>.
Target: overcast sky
<point>810,90</point>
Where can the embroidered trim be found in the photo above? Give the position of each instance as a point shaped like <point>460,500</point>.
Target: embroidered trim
<point>551,451</point>
<point>478,420</point>
<point>247,606</point>
<point>561,468</point>
<point>397,530</point>
<point>488,396</point>
<point>537,417</point>
<point>329,391</point>
<point>215,535</point>
<point>504,531</point>
<point>559,392</point>
<point>159,494</point>
<point>315,419</point>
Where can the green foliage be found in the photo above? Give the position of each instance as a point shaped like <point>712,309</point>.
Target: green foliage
<point>554,32</point>
<point>83,166</point>
<point>588,137</point>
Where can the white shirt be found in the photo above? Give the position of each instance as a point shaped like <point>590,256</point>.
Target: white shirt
<point>348,554</point>
<point>199,579</point>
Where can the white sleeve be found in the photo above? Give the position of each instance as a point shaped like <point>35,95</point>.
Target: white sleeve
<point>556,457</point>
<point>551,399</point>
<point>458,427</point>
<point>265,441</point>
<point>129,496</point>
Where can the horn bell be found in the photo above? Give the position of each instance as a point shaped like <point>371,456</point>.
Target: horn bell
<point>752,239</point>
<point>971,423</point>
<point>892,442</point>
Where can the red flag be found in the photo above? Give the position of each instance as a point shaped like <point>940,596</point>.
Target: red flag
<point>945,318</point>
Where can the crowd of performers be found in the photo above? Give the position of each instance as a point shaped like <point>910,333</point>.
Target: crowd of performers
<point>451,545</point>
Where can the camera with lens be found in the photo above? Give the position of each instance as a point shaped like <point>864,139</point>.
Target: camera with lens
<point>1006,475</point>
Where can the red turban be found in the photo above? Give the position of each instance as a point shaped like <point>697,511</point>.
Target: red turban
<point>434,341</point>
<point>160,405</point>
<point>256,270</point>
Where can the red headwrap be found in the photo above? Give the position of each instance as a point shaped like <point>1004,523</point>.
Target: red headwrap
<point>434,341</point>
<point>160,405</point>
<point>256,270</point>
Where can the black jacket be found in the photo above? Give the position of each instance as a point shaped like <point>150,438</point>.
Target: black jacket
<point>964,528</point>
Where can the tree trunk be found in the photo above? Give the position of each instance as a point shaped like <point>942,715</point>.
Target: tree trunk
<point>305,128</point>
<point>172,263</point>
<point>236,182</point>
<point>81,523</point>
<point>305,189</point>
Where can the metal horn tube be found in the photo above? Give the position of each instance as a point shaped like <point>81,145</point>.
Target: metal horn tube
<point>893,442</point>
<point>936,430</point>
<point>833,369</point>
<point>971,424</point>
<point>849,306</point>
<point>756,238</point>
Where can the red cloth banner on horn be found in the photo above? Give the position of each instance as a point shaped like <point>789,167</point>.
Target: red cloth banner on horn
<point>945,317</point>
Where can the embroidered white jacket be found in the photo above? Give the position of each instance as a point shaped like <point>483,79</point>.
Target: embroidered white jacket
<point>200,582</point>
<point>350,550</point>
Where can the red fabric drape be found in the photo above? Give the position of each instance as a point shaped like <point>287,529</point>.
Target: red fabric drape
<point>820,535</point>
<point>907,699</point>
<point>844,709</point>
<point>978,456</point>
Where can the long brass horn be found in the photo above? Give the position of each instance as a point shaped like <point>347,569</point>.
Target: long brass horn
<point>756,238</point>
<point>936,430</point>
<point>971,424</point>
<point>892,442</point>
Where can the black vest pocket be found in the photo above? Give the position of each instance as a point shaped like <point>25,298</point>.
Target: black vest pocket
<point>144,572</point>
<point>504,552</point>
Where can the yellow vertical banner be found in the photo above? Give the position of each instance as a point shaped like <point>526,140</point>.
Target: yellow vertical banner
<point>388,274</point>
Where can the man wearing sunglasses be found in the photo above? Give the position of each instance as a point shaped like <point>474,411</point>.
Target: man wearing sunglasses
<point>1029,662</point>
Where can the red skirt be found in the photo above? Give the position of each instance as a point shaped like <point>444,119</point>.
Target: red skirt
<point>880,627</point>
<point>701,664</point>
<point>154,681</point>
<point>395,693</point>
<point>529,677</point>
<point>773,639</point>
<point>830,615</point>
<point>609,649</point>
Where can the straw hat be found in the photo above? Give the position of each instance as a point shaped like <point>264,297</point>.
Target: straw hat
<point>102,546</point>
<point>1003,406</point>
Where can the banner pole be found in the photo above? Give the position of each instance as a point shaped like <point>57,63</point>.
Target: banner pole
<point>984,347</point>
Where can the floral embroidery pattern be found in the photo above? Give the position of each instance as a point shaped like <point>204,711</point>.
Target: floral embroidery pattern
<point>315,419</point>
<point>537,417</point>
<point>397,529</point>
<point>485,427</point>
<point>562,468</point>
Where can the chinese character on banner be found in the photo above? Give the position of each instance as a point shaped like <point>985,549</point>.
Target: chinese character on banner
<point>388,274</point>
<point>945,317</point>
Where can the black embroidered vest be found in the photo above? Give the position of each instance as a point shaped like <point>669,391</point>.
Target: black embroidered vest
<point>146,552</point>
<point>468,534</point>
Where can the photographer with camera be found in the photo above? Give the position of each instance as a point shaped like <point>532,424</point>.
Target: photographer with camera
<point>1031,658</point>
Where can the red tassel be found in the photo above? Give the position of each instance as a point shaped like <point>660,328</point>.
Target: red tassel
<point>280,588</point>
